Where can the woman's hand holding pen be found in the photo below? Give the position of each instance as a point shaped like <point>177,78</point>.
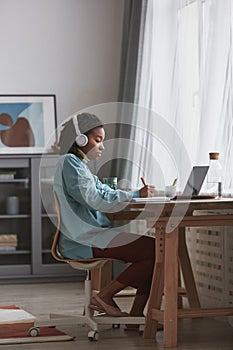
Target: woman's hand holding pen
<point>146,190</point>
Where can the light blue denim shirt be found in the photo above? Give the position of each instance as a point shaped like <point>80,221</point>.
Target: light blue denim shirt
<point>83,200</point>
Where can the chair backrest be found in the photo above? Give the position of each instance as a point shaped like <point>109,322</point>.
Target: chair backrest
<point>55,248</point>
<point>82,264</point>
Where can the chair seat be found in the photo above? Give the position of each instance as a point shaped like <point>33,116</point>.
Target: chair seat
<point>90,265</point>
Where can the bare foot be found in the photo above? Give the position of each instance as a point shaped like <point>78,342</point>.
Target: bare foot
<point>107,308</point>
<point>108,300</point>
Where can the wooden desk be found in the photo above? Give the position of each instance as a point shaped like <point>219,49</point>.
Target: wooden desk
<point>169,220</point>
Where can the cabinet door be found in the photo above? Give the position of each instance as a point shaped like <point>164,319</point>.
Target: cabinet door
<point>15,217</point>
<point>45,220</point>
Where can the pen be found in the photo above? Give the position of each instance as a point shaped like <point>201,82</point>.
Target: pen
<point>143,181</point>
<point>174,182</point>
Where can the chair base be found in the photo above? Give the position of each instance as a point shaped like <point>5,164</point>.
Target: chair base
<point>89,319</point>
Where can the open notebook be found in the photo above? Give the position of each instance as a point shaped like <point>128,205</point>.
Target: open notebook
<point>151,199</point>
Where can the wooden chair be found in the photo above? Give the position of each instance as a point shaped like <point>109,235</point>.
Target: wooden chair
<point>88,318</point>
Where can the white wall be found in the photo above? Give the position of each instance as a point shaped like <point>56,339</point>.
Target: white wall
<point>70,48</point>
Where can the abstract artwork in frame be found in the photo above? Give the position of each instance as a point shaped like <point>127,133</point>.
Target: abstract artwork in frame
<point>27,123</point>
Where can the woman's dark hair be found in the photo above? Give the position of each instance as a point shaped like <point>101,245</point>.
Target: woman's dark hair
<point>87,123</point>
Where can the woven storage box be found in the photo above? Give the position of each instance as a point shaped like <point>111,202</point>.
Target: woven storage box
<point>229,262</point>
<point>211,253</point>
<point>209,267</point>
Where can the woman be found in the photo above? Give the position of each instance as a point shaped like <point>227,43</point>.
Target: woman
<point>86,231</point>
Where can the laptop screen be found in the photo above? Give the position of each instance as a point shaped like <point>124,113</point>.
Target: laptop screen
<point>195,180</point>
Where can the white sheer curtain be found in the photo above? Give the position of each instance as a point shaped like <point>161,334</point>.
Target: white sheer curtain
<point>216,118</point>
<point>154,83</point>
<point>185,76</point>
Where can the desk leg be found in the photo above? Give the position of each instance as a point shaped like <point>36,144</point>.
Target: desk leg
<point>187,272</point>
<point>171,288</point>
<point>157,285</point>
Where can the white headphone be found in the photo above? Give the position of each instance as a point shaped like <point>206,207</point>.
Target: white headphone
<point>81,139</point>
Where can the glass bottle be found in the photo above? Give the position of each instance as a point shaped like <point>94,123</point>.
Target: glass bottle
<point>214,176</point>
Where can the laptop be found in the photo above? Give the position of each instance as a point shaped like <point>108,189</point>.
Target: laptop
<point>194,183</point>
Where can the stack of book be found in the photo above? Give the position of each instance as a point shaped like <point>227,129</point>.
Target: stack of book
<point>7,175</point>
<point>8,242</point>
<point>13,320</point>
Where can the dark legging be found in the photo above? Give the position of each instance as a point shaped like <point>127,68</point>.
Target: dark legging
<point>140,252</point>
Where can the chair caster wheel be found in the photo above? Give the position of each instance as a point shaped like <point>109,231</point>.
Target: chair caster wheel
<point>115,326</point>
<point>34,331</point>
<point>93,335</point>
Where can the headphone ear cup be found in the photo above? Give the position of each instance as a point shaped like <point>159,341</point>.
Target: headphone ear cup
<point>81,140</point>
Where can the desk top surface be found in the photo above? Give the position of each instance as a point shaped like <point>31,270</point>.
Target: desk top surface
<point>177,208</point>
<point>189,205</point>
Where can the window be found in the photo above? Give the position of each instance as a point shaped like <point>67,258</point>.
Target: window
<point>185,75</point>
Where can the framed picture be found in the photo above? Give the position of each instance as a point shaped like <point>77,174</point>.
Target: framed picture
<point>28,123</point>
